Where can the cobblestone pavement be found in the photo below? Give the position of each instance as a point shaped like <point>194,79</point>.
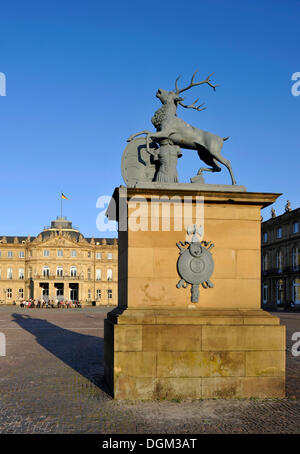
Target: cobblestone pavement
<point>51,382</point>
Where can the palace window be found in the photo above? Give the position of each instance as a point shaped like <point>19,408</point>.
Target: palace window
<point>279,261</point>
<point>46,271</point>
<point>279,292</point>
<point>59,271</point>
<point>98,255</point>
<point>295,258</point>
<point>98,274</point>
<point>59,252</point>
<point>265,293</point>
<point>109,274</point>
<point>21,273</point>
<point>265,262</point>
<point>73,271</point>
<point>89,294</point>
<point>21,254</point>
<point>46,252</point>
<point>98,294</point>
<point>9,254</point>
<point>73,253</point>
<point>296,291</point>
<point>296,227</point>
<point>89,274</point>
<point>9,293</point>
<point>265,237</point>
<point>89,254</point>
<point>21,293</point>
<point>279,232</point>
<point>109,294</point>
<point>109,256</point>
<point>9,273</point>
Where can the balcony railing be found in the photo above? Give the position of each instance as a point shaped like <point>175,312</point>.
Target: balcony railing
<point>48,227</point>
<point>58,278</point>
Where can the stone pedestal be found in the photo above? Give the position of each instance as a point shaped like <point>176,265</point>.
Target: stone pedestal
<point>160,345</point>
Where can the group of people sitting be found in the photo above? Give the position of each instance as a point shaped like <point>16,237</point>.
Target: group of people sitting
<point>31,303</point>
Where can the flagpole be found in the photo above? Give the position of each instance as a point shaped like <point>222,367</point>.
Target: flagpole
<point>61,205</point>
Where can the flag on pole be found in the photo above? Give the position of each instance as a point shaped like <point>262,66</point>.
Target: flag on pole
<point>64,197</point>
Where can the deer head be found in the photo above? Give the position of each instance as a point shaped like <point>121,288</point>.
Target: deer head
<point>167,97</point>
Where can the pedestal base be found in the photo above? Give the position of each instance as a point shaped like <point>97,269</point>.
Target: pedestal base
<point>193,354</point>
<point>162,346</point>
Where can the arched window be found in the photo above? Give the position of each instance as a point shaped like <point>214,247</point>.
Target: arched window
<point>295,258</point>
<point>9,273</point>
<point>265,262</point>
<point>73,271</point>
<point>59,271</point>
<point>265,293</point>
<point>296,291</point>
<point>46,271</point>
<point>279,291</point>
<point>279,261</point>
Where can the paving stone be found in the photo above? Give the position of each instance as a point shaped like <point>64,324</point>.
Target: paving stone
<point>51,381</point>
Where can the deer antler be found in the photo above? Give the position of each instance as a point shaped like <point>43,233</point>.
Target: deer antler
<point>193,84</point>
<point>192,106</point>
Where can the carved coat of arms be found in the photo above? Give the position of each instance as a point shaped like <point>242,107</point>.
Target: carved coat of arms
<point>195,264</point>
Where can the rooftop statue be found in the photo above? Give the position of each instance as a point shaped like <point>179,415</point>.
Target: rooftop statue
<point>172,134</point>
<point>288,206</point>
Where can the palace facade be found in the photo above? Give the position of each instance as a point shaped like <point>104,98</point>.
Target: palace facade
<point>60,263</point>
<point>281,259</point>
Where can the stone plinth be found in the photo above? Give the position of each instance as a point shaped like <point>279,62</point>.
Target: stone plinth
<point>160,345</point>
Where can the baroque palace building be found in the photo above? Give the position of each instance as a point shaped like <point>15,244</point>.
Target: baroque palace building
<point>60,263</point>
<point>281,259</point>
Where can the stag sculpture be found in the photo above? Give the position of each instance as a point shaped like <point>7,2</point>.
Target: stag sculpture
<point>178,132</point>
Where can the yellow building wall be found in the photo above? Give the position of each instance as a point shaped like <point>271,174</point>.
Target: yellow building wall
<point>15,289</point>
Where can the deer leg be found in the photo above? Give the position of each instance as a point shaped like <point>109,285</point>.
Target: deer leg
<point>209,169</point>
<point>137,134</point>
<point>227,164</point>
<point>164,134</point>
<point>206,157</point>
<point>208,160</point>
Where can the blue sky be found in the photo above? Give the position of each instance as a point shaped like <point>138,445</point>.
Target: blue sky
<point>82,76</point>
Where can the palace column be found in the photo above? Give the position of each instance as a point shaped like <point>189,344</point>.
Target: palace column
<point>52,294</point>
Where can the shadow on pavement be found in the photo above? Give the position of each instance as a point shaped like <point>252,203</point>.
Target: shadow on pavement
<point>81,352</point>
